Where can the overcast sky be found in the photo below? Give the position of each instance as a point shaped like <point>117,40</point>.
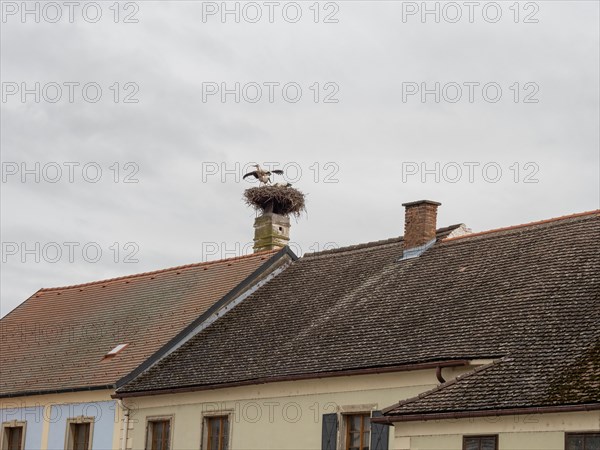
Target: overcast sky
<point>150,167</point>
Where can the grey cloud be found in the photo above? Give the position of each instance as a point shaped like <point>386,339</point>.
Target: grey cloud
<point>172,214</point>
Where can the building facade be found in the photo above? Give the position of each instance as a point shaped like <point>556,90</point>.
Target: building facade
<point>65,350</point>
<point>438,340</point>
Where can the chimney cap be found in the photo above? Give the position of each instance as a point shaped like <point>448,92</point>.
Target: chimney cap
<point>419,202</point>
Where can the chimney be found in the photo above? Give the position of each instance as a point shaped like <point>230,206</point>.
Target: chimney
<point>419,225</point>
<point>271,231</point>
<point>275,203</point>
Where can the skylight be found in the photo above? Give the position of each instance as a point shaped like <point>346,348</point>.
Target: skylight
<point>117,349</point>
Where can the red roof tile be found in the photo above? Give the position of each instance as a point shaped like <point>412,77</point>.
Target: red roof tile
<point>58,338</point>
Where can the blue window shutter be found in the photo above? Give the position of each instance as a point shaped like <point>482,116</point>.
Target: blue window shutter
<point>379,434</point>
<point>330,427</point>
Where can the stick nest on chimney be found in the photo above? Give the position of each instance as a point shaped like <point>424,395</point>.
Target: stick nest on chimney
<point>276,199</point>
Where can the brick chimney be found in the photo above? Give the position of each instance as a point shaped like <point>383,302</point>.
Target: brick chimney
<point>271,231</point>
<point>419,223</point>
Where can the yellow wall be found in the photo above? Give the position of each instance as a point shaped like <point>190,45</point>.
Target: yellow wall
<point>284,415</point>
<point>518,432</point>
<point>288,415</point>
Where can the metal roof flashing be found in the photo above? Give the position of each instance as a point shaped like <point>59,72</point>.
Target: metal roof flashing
<point>415,252</point>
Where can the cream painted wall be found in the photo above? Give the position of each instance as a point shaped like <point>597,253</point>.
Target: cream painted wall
<point>283,415</point>
<point>69,404</point>
<point>287,415</point>
<point>522,432</point>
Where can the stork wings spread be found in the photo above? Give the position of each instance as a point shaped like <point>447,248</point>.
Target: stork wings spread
<point>258,174</point>
<point>251,174</point>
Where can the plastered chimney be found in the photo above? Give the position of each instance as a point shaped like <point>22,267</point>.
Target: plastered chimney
<point>419,223</point>
<point>271,231</point>
<point>275,203</point>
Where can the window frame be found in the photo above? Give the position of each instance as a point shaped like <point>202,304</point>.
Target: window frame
<point>13,424</point>
<point>579,433</point>
<point>79,420</point>
<point>206,417</point>
<point>480,436</point>
<point>352,410</point>
<point>152,419</point>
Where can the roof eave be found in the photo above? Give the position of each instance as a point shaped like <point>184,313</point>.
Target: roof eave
<point>391,419</point>
<point>57,391</point>
<point>306,376</point>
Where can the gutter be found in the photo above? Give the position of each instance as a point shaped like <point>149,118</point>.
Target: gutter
<point>58,391</point>
<point>392,419</point>
<point>306,376</point>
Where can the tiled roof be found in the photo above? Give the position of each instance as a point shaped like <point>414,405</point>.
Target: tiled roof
<point>57,339</point>
<point>479,296</point>
<point>548,374</point>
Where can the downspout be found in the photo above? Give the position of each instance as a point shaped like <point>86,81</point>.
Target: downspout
<point>438,374</point>
<point>125,427</point>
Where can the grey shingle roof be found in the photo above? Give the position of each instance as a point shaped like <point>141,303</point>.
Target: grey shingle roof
<point>479,296</point>
<point>547,375</point>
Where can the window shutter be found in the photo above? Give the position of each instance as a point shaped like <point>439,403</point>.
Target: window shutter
<point>330,427</point>
<point>379,434</point>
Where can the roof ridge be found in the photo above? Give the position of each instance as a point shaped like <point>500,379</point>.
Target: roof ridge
<point>372,244</point>
<point>353,247</point>
<point>447,384</point>
<point>156,272</point>
<point>524,225</point>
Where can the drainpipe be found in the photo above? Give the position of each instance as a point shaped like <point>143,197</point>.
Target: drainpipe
<point>125,428</point>
<point>438,374</point>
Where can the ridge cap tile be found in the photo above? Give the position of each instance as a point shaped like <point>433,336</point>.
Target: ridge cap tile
<point>182,267</point>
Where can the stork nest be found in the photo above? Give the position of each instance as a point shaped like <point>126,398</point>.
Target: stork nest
<point>276,199</point>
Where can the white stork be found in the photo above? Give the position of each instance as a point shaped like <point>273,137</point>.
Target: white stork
<point>263,176</point>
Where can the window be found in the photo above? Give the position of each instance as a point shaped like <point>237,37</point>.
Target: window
<point>352,429</point>
<point>216,429</point>
<point>79,433</point>
<point>13,435</point>
<point>358,431</point>
<point>80,436</point>
<point>480,442</point>
<point>582,441</point>
<point>14,438</point>
<point>158,434</point>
